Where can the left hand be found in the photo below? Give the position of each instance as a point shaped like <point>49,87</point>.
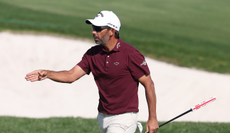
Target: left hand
<point>151,126</point>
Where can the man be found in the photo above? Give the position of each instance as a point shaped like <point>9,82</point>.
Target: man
<point>117,68</point>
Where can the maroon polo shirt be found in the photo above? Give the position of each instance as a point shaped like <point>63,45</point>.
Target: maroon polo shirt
<point>116,74</point>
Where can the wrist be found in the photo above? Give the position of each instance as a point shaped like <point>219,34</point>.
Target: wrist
<point>46,73</point>
<point>152,117</point>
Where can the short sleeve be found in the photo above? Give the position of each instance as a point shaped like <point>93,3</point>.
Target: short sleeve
<point>84,63</point>
<point>137,64</point>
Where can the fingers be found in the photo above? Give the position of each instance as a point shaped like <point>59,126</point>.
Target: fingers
<point>32,76</point>
<point>151,126</point>
<point>151,130</point>
<point>36,75</point>
<point>147,129</point>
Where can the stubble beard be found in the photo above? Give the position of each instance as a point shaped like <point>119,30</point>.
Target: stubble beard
<point>103,40</point>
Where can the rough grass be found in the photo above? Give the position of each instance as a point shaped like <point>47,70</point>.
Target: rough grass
<point>82,125</point>
<point>191,33</point>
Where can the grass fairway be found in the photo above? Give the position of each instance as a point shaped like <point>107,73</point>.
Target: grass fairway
<point>191,33</point>
<point>81,125</point>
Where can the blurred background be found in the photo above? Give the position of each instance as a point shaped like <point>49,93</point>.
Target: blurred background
<point>191,33</point>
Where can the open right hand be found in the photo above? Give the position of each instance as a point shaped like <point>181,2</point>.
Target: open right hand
<point>37,75</point>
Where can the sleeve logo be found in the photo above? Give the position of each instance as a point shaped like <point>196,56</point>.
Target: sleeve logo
<point>143,63</point>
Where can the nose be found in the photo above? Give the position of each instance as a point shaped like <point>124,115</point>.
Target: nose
<point>94,32</point>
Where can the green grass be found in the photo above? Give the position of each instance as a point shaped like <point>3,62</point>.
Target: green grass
<point>191,33</point>
<point>82,125</point>
<point>51,125</point>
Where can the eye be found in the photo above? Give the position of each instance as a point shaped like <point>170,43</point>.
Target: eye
<point>98,28</point>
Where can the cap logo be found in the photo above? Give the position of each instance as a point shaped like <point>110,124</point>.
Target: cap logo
<point>100,14</point>
<point>112,25</point>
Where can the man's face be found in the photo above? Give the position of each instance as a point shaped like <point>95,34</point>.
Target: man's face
<point>100,34</point>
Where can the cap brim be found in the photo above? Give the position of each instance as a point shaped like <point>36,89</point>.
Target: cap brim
<point>87,21</point>
<point>95,22</point>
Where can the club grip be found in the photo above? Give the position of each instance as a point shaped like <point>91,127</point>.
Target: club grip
<point>198,106</point>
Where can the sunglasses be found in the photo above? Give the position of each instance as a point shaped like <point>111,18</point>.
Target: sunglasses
<point>99,28</point>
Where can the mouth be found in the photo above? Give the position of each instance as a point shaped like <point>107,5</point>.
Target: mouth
<point>95,37</point>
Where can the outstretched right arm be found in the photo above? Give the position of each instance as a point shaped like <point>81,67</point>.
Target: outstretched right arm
<point>58,76</point>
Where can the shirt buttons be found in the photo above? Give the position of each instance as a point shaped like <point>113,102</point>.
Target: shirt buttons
<point>107,62</point>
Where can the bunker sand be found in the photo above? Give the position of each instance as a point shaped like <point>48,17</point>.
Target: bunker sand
<point>177,88</point>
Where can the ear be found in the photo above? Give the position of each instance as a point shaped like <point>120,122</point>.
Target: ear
<point>112,32</point>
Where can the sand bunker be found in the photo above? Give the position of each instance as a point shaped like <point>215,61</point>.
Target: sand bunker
<point>177,88</point>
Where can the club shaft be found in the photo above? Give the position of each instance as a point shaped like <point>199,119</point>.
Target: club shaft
<point>176,117</point>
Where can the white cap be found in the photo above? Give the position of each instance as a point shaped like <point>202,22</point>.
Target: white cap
<point>105,18</point>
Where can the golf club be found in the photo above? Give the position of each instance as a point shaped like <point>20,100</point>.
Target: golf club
<point>196,107</point>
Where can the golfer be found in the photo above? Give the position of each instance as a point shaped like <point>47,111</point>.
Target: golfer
<point>118,68</point>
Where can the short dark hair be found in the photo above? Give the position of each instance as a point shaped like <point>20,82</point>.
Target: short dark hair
<point>117,34</point>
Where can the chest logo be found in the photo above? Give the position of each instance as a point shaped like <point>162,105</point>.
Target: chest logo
<point>118,45</point>
<point>143,63</point>
<point>116,63</point>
